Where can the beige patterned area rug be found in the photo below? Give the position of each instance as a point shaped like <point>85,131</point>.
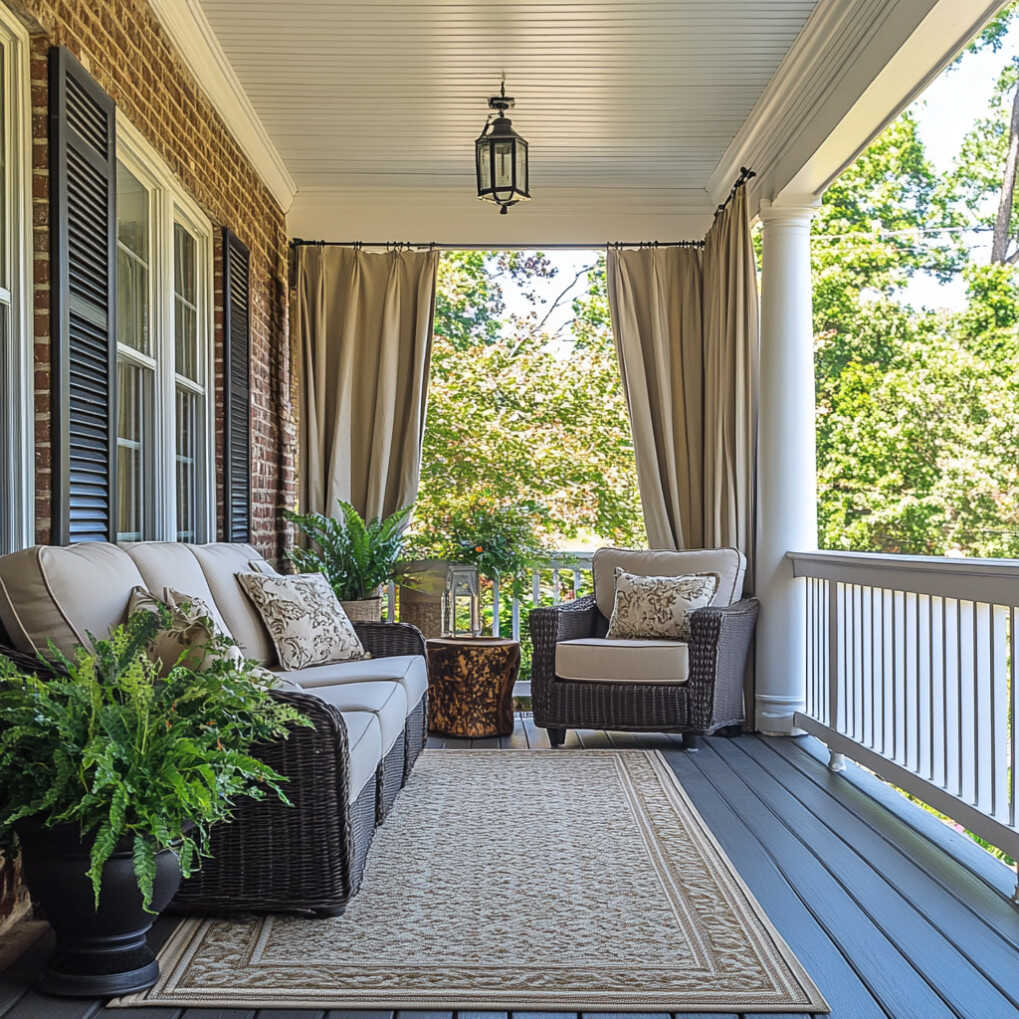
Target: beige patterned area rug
<point>562,880</point>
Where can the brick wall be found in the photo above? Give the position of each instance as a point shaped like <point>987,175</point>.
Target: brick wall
<point>122,45</point>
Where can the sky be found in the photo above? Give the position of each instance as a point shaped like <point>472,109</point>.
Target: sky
<point>944,112</point>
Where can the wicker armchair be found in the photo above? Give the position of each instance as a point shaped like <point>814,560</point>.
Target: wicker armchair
<point>709,700</point>
<point>311,856</point>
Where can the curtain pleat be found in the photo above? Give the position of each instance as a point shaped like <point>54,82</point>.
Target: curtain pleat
<point>655,302</point>
<point>364,325</point>
<point>731,353</point>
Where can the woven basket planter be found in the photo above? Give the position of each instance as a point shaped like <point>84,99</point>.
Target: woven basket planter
<point>368,610</point>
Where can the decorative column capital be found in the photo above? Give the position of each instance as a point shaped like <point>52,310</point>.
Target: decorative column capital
<point>800,210</point>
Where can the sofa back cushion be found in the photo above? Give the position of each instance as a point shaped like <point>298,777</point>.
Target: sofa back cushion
<point>221,562</point>
<point>64,593</point>
<point>169,564</point>
<point>729,563</point>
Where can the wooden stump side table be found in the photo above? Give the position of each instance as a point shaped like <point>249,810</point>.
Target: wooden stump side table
<point>470,685</point>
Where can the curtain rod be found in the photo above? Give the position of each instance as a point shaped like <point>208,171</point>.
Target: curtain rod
<point>745,174</point>
<point>496,245</point>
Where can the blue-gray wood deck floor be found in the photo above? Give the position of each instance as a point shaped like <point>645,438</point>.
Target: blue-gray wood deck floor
<point>891,912</point>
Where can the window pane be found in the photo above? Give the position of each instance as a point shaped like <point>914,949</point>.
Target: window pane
<point>188,452</point>
<point>185,303</point>
<point>4,282</point>
<point>134,427</point>
<point>132,261</point>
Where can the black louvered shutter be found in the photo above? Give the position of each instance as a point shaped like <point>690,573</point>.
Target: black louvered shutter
<point>83,259</point>
<point>237,389</point>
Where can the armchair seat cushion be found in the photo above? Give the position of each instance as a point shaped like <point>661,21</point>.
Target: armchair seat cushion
<point>598,660</point>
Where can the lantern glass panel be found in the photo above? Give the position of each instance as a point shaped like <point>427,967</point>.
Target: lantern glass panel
<point>503,164</point>
<point>522,182</point>
<point>484,165</point>
<point>462,609</point>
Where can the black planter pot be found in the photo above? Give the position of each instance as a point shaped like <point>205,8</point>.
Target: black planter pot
<point>104,952</point>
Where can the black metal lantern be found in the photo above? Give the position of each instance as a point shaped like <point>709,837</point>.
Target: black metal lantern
<point>501,158</point>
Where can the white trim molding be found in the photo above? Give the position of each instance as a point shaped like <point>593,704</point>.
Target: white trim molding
<point>853,68</point>
<point>17,361</point>
<point>189,29</point>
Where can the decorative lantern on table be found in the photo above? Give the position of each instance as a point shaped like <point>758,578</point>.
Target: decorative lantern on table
<point>461,602</point>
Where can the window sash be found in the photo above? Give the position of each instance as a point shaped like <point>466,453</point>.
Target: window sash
<point>17,355</point>
<point>179,479</point>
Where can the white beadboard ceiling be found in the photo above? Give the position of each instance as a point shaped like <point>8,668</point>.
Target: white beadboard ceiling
<point>628,104</point>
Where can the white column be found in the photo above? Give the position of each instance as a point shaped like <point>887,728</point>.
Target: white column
<point>787,464</point>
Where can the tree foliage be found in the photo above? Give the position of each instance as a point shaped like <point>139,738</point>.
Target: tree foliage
<point>520,420</point>
<point>918,410</point>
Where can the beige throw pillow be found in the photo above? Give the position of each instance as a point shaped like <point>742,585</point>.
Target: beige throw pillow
<point>306,622</point>
<point>658,607</point>
<point>186,639</point>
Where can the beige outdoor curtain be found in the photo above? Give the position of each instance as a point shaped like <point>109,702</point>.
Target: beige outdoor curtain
<point>685,323</point>
<point>655,301</point>
<point>364,326</point>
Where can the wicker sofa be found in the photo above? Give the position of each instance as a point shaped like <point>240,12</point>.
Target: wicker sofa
<point>369,717</point>
<point>580,680</point>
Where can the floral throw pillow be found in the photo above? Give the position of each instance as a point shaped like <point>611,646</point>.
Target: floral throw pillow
<point>306,622</point>
<point>191,627</point>
<point>658,607</point>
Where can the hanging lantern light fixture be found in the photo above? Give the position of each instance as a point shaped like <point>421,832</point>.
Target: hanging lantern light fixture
<point>501,158</point>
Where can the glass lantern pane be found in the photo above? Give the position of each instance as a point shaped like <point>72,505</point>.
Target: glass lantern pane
<point>522,183</point>
<point>503,164</point>
<point>484,166</point>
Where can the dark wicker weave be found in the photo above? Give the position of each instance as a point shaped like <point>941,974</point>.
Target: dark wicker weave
<point>387,640</point>
<point>311,856</point>
<point>272,857</point>
<point>711,699</point>
<point>389,777</point>
<point>415,735</point>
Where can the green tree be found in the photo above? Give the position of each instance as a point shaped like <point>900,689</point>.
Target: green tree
<point>521,417</point>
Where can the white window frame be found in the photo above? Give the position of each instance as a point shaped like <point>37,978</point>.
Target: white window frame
<point>17,370</point>
<point>169,205</point>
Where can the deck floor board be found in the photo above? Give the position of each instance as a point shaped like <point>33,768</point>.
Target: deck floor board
<point>888,910</point>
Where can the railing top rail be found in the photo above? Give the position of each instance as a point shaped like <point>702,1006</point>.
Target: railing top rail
<point>995,581</point>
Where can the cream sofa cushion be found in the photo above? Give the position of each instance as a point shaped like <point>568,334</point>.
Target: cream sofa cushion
<point>364,745</point>
<point>63,593</point>
<point>410,671</point>
<point>385,700</point>
<point>594,660</point>
<point>220,563</point>
<point>729,563</point>
<point>170,564</point>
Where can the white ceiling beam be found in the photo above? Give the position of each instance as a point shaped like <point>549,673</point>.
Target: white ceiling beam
<point>455,217</point>
<point>190,31</point>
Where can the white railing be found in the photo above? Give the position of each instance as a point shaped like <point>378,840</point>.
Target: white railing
<point>570,566</point>
<point>911,671</point>
<point>565,570</point>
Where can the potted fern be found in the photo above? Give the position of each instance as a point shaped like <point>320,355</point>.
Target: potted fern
<point>356,556</point>
<point>111,776</point>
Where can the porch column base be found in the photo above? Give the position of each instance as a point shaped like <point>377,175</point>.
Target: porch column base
<point>775,715</point>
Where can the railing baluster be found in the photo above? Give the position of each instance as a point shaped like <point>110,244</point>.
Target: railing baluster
<point>1013,714</point>
<point>496,624</point>
<point>515,617</point>
<point>536,587</point>
<point>998,708</point>
<point>914,665</point>
<point>556,598</point>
